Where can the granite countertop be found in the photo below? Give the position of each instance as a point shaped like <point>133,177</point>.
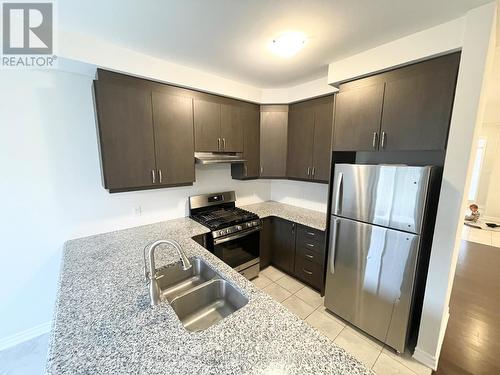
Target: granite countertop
<point>304,216</point>
<point>104,324</point>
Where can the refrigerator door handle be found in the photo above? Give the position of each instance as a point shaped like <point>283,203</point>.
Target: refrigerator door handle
<point>333,244</point>
<point>340,178</point>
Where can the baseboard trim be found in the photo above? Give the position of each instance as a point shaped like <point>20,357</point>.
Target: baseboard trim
<point>425,358</point>
<point>428,359</point>
<point>23,336</point>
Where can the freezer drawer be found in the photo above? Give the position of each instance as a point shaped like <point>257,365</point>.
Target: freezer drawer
<point>370,277</point>
<point>388,195</point>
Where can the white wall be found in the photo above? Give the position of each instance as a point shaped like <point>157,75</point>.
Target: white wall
<point>412,48</point>
<point>476,64</point>
<point>302,194</point>
<point>51,189</point>
<point>488,198</point>
<point>474,34</point>
<point>95,52</point>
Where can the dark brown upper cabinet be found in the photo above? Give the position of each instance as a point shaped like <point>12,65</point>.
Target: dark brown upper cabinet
<point>357,118</point>
<point>309,139</point>
<point>174,138</point>
<point>207,118</point>
<point>273,140</point>
<point>250,121</point>
<point>125,125</point>
<point>145,132</point>
<point>217,126</point>
<point>323,129</point>
<point>418,106</point>
<point>231,128</point>
<point>406,109</point>
<point>300,141</point>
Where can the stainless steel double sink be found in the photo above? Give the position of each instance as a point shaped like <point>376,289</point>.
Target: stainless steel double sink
<point>199,296</point>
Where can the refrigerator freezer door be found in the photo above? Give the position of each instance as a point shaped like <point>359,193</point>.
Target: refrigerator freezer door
<point>370,280</point>
<point>388,195</point>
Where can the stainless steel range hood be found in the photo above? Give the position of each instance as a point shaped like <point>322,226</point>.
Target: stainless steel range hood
<point>218,157</point>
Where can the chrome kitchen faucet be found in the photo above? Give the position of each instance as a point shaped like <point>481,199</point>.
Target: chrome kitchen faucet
<point>154,290</point>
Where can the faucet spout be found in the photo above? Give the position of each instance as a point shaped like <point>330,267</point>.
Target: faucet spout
<point>153,284</point>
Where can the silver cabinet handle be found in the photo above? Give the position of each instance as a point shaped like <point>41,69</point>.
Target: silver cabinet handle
<point>311,233</point>
<point>374,140</point>
<point>309,244</point>
<point>223,143</point>
<point>160,176</point>
<point>313,171</point>
<point>337,193</point>
<point>309,256</point>
<point>293,227</point>
<point>307,272</point>
<point>218,143</point>
<point>382,142</point>
<point>333,244</point>
<point>246,169</point>
<point>153,176</point>
<point>261,170</point>
<point>308,171</point>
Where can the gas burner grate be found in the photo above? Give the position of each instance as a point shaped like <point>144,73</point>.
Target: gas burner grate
<point>223,217</point>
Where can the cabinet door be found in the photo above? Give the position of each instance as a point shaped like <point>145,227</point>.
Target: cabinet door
<point>300,142</point>
<point>417,108</point>
<point>273,141</point>
<point>357,118</point>
<point>322,149</point>
<point>206,125</point>
<point>265,242</point>
<point>174,140</point>
<point>231,128</point>
<point>126,137</point>
<point>283,245</point>
<point>250,119</point>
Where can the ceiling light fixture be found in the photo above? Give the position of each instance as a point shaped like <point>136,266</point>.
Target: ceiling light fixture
<point>288,44</point>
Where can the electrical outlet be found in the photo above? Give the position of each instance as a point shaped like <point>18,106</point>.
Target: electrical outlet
<point>138,211</point>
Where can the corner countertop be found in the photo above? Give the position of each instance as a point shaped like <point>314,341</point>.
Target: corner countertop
<point>104,324</point>
<point>304,216</point>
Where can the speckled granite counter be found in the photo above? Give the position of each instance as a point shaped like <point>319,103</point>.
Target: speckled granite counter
<point>304,216</point>
<point>104,324</point>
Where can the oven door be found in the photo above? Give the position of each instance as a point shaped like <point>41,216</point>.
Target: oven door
<point>239,250</point>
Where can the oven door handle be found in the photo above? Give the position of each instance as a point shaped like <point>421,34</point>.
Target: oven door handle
<point>218,241</point>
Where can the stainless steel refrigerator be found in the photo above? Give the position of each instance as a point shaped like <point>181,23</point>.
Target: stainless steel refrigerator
<point>376,227</point>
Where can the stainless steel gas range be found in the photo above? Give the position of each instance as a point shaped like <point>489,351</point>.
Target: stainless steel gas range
<point>235,233</point>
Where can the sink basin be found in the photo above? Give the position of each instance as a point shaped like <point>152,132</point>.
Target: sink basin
<point>174,281</point>
<point>207,304</point>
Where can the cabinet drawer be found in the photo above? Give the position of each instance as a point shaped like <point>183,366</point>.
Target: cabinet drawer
<point>311,255</point>
<point>310,272</point>
<point>310,238</point>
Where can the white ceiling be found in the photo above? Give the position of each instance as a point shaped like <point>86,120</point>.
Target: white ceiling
<point>229,37</point>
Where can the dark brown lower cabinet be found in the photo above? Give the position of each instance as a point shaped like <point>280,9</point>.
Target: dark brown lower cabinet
<point>295,249</point>
<point>283,244</point>
<point>310,256</point>
<point>265,242</point>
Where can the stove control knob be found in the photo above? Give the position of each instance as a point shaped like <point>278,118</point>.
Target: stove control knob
<point>221,233</point>
<point>239,227</point>
<point>249,224</point>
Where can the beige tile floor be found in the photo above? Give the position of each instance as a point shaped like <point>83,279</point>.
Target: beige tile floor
<point>482,236</point>
<point>307,304</point>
